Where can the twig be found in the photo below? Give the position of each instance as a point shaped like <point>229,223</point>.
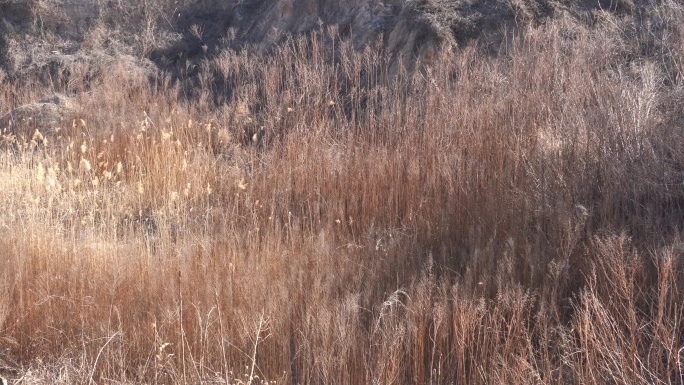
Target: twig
<point>180,325</point>
<point>256,344</point>
<point>679,363</point>
<point>99,353</point>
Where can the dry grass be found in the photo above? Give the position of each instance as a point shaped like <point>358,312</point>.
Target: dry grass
<point>492,219</point>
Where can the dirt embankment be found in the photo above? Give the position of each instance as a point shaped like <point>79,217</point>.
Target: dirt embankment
<point>44,36</point>
<point>66,42</point>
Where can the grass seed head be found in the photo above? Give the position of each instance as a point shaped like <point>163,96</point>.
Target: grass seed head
<point>40,173</point>
<point>85,165</point>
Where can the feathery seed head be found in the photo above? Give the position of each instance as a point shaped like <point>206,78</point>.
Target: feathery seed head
<point>85,164</point>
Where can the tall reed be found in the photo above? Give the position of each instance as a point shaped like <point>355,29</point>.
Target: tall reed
<point>318,217</point>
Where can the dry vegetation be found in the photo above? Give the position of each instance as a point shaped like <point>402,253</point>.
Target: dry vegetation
<point>508,219</point>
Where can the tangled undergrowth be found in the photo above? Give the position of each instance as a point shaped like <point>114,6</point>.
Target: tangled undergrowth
<point>512,218</point>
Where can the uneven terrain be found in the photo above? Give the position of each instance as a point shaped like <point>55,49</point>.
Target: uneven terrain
<point>361,192</point>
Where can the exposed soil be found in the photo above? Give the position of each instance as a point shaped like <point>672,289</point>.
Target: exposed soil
<point>47,38</point>
<point>67,42</point>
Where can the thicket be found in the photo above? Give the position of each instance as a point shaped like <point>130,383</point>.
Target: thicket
<point>511,218</point>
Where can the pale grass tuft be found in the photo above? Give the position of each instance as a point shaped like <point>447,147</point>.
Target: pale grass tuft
<point>40,173</point>
<point>37,136</point>
<point>241,184</point>
<point>84,165</point>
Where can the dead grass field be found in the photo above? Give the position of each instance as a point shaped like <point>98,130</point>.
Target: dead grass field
<point>492,219</point>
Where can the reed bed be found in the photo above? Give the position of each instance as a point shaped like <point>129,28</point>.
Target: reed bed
<point>316,217</point>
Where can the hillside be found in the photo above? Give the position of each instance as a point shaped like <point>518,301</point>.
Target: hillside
<point>44,37</point>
